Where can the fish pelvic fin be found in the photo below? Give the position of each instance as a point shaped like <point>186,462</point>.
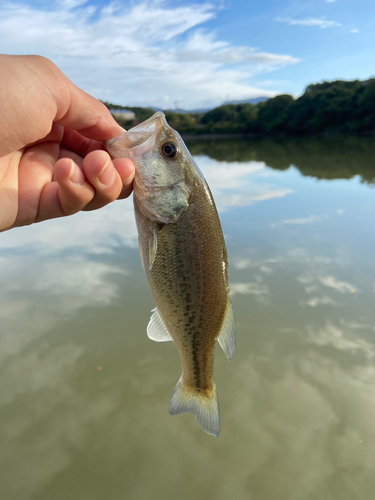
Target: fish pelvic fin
<point>204,408</point>
<point>227,335</point>
<point>156,329</point>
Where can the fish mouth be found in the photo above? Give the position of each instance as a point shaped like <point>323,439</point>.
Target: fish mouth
<point>149,128</point>
<point>151,125</point>
<point>137,135</point>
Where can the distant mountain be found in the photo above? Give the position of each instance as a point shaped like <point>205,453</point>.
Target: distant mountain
<point>180,110</point>
<point>346,107</point>
<point>255,100</point>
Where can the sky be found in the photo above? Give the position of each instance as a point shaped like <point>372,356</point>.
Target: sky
<point>194,54</point>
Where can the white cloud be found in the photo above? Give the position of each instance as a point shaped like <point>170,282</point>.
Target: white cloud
<point>245,263</point>
<point>256,288</point>
<point>312,282</point>
<point>317,414</point>
<point>216,172</point>
<point>320,22</point>
<point>51,260</point>
<point>301,220</point>
<point>138,53</point>
<point>203,47</point>
<point>332,335</point>
<point>306,220</point>
<point>37,296</point>
<point>266,266</point>
<point>318,301</point>
<point>354,30</point>
<point>237,189</point>
<point>224,200</point>
<point>340,286</point>
<point>305,279</point>
<point>100,230</point>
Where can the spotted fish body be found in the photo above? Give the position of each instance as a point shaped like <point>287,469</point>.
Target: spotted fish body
<point>184,257</point>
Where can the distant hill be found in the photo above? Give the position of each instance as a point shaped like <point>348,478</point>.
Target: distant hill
<point>138,110</point>
<point>255,100</point>
<point>328,107</point>
<point>188,111</point>
<point>251,101</point>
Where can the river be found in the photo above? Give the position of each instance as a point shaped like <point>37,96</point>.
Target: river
<point>84,393</point>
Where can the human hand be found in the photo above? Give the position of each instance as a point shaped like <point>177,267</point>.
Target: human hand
<point>52,162</point>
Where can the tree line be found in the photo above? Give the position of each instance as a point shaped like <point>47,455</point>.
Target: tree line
<point>328,107</point>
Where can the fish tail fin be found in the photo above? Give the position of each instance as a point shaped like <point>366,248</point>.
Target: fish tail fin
<point>204,408</point>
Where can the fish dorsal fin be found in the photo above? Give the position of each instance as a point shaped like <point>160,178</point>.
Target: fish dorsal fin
<point>156,329</point>
<point>227,336</point>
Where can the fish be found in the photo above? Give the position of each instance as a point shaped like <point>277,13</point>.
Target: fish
<point>184,257</point>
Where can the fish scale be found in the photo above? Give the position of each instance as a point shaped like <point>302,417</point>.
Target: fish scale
<point>185,260</point>
<point>196,281</point>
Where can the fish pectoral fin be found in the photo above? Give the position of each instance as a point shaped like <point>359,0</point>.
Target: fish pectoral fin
<point>227,336</point>
<point>152,245</point>
<point>141,252</point>
<point>156,329</point>
<point>205,409</point>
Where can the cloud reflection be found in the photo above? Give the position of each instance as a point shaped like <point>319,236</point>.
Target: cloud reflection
<point>35,296</point>
<point>340,286</point>
<point>311,405</point>
<point>297,406</point>
<point>237,184</point>
<point>317,301</point>
<point>99,231</point>
<point>340,339</point>
<point>313,281</point>
<point>257,288</point>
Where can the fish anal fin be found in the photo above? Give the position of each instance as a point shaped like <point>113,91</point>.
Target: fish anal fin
<point>156,330</point>
<point>227,336</point>
<point>204,408</point>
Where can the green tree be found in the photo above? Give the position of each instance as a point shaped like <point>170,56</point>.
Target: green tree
<point>274,113</point>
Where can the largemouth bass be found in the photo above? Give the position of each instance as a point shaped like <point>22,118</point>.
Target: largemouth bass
<point>184,257</point>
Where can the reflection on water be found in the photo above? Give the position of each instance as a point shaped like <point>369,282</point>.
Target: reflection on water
<point>324,158</point>
<point>84,392</point>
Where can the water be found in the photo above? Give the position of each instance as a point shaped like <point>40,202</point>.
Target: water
<point>84,393</point>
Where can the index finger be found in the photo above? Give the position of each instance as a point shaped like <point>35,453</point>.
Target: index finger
<point>76,142</point>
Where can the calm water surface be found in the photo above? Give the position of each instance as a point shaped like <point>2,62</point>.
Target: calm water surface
<point>84,393</point>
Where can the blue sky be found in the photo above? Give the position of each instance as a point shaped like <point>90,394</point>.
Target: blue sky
<point>198,54</point>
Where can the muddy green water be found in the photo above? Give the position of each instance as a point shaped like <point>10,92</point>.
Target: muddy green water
<point>84,393</point>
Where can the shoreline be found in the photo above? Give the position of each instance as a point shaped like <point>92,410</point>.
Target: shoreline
<point>254,135</point>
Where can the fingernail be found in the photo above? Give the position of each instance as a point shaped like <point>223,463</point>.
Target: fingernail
<point>106,174</point>
<point>76,175</point>
<point>128,179</point>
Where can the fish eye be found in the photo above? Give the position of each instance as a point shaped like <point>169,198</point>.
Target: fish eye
<point>168,150</point>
